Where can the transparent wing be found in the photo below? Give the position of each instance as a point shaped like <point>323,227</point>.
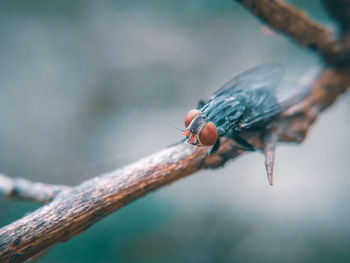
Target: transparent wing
<point>266,105</point>
<point>268,75</point>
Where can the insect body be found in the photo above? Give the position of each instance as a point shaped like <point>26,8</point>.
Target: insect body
<point>247,101</point>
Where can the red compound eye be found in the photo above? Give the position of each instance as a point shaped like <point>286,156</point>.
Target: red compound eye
<point>190,115</point>
<point>209,134</point>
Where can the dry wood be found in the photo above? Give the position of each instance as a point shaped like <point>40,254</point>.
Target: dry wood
<point>73,211</point>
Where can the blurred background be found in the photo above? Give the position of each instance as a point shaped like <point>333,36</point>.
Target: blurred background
<point>90,86</point>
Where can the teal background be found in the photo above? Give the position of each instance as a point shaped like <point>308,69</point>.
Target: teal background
<point>90,86</point>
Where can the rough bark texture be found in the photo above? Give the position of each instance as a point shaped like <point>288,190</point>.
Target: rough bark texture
<point>72,211</point>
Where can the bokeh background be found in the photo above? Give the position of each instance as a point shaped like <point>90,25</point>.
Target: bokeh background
<point>90,86</point>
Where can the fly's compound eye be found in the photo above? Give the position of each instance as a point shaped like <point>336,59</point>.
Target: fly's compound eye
<point>190,115</point>
<point>208,135</point>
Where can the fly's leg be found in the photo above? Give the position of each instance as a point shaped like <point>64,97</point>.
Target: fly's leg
<point>215,147</point>
<point>244,145</point>
<point>270,142</point>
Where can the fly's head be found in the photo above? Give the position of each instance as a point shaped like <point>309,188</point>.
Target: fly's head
<point>199,130</point>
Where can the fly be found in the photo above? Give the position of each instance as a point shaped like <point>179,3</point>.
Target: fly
<point>248,101</point>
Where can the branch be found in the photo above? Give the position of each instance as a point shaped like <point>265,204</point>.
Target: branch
<point>297,25</point>
<point>72,212</point>
<point>20,188</point>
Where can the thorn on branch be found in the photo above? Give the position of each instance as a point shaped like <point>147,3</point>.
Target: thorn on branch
<point>269,150</point>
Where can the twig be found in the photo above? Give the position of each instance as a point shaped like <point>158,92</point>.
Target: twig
<point>297,25</point>
<point>20,188</point>
<point>72,212</point>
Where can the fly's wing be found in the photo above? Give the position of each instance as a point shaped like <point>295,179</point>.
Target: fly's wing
<point>268,75</point>
<point>266,103</point>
